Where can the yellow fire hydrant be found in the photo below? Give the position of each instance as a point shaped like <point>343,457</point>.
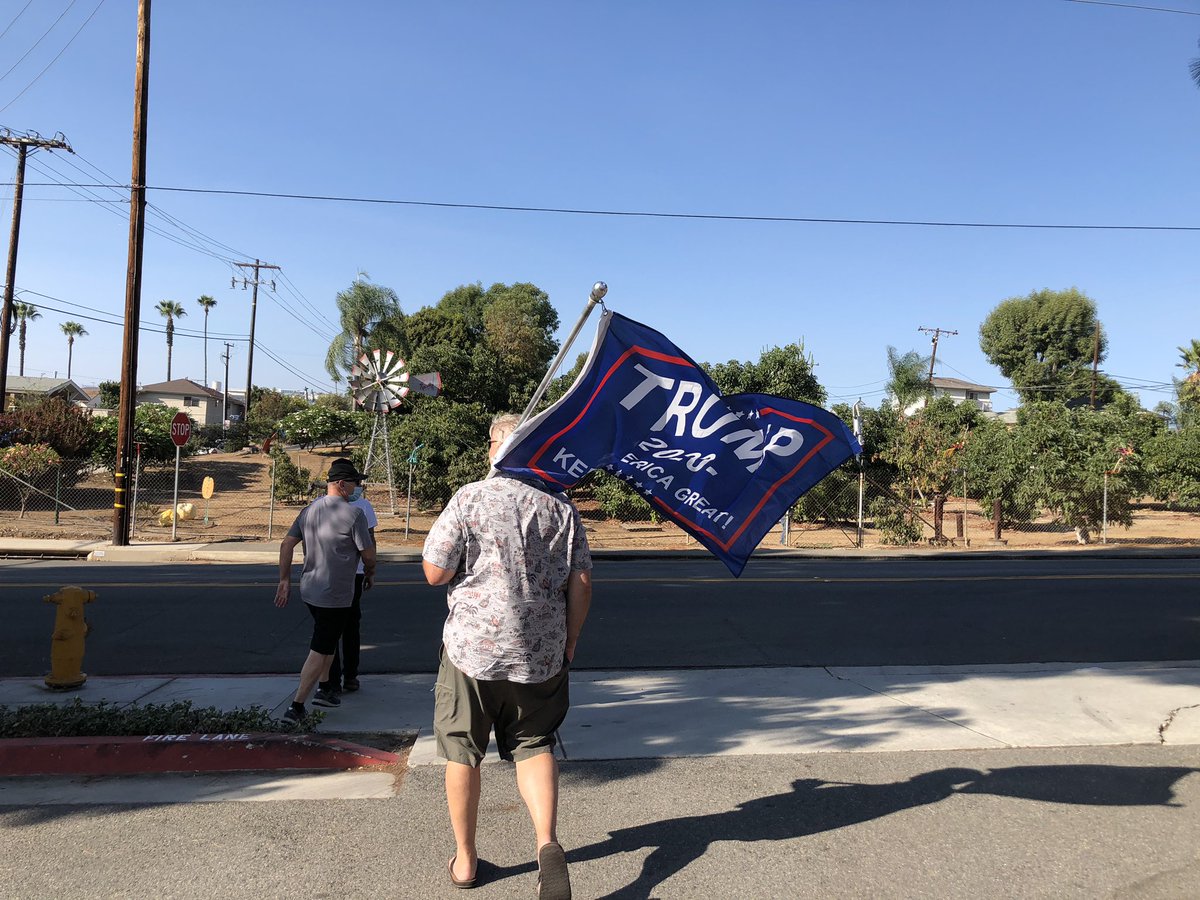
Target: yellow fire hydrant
<point>66,645</point>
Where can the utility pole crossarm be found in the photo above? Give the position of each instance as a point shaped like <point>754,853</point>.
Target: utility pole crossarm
<point>937,333</point>
<point>23,143</point>
<point>257,265</point>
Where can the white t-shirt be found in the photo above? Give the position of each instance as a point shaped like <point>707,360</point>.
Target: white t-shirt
<point>372,520</point>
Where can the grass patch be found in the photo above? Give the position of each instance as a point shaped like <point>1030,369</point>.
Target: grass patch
<point>79,719</point>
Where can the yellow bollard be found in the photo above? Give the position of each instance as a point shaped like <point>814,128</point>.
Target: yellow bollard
<point>66,645</point>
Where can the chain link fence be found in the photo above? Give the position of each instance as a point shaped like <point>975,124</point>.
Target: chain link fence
<point>256,497</point>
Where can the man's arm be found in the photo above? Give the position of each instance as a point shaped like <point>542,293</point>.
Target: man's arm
<point>436,575</point>
<point>579,601</point>
<point>368,560</point>
<point>286,548</point>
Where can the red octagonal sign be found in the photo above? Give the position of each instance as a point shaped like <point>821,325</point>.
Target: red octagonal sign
<point>181,429</point>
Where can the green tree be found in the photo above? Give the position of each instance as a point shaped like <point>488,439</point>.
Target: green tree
<point>151,428</point>
<point>454,452</point>
<point>908,379</point>
<point>361,307</point>
<point>289,482</point>
<point>924,447</point>
<point>267,409</point>
<point>206,303</point>
<point>72,330</point>
<point>491,347</point>
<point>110,394</point>
<point>1190,356</point>
<point>53,421</point>
<point>1044,343</point>
<point>170,310</point>
<point>315,425</point>
<point>23,313</point>
<point>334,401</point>
<point>1172,462</point>
<point>783,371</point>
<point>1062,455</point>
<point>23,464</point>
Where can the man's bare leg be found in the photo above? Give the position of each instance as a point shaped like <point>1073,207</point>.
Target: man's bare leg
<point>462,797</point>
<point>537,780</point>
<point>310,673</point>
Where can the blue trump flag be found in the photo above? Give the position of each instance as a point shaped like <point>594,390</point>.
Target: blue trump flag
<point>724,469</point>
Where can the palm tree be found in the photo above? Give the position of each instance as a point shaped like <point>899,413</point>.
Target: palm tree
<point>1190,356</point>
<point>72,330</point>
<point>360,307</point>
<point>208,303</point>
<point>24,312</point>
<point>170,310</point>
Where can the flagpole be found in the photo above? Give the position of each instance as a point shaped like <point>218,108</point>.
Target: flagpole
<point>599,289</point>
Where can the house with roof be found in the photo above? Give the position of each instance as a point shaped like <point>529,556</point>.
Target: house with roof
<point>23,389</point>
<point>205,405</point>
<point>958,391</point>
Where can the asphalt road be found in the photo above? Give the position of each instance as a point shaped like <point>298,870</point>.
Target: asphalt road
<point>210,618</point>
<point>1045,823</point>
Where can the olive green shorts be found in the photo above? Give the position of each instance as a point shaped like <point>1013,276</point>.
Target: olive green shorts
<point>524,716</point>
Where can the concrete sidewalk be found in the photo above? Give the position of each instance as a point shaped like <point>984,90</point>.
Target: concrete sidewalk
<point>732,712</point>
<point>260,552</point>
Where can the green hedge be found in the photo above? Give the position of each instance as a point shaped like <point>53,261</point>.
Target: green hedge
<point>79,719</point>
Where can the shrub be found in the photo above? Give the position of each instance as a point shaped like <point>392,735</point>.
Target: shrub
<point>79,719</point>
<point>895,524</point>
<point>290,482</point>
<point>151,428</point>
<point>27,462</point>
<point>53,421</point>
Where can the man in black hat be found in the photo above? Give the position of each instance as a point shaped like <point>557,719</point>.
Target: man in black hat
<point>335,537</point>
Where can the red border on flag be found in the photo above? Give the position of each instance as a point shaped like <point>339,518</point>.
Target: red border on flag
<point>678,360</point>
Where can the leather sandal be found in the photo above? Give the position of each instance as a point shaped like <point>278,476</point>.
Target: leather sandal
<point>465,882</point>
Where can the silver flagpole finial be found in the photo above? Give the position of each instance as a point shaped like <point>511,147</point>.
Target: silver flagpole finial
<point>599,289</point>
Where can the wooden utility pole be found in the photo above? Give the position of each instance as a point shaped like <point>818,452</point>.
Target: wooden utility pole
<point>256,265</point>
<point>225,395</point>
<point>23,142</point>
<point>1095,362</point>
<point>937,333</point>
<point>133,282</point>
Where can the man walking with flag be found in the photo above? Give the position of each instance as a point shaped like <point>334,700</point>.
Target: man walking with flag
<point>516,561</point>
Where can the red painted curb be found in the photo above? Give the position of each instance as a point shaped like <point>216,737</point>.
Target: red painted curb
<point>183,753</point>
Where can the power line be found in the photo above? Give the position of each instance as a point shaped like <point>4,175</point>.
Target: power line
<point>289,368</point>
<point>149,326</point>
<point>9,26</point>
<point>39,40</point>
<point>87,194</point>
<point>645,214</point>
<point>291,288</point>
<point>39,75</point>
<point>1181,12</point>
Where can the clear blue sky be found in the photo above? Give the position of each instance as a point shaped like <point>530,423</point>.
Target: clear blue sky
<point>1022,111</point>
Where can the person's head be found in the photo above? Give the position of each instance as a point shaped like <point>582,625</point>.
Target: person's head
<point>342,478</point>
<point>502,426</point>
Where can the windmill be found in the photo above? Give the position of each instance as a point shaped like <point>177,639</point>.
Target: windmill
<point>379,382</point>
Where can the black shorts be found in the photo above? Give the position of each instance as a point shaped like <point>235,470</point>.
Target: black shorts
<point>328,625</point>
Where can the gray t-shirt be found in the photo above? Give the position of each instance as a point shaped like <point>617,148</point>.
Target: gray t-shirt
<point>334,533</point>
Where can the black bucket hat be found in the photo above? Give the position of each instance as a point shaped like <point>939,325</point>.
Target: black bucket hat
<point>343,470</point>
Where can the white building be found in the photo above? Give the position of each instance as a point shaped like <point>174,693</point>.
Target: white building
<point>204,405</point>
<point>958,391</point>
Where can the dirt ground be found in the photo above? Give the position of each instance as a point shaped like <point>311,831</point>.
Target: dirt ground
<point>241,509</point>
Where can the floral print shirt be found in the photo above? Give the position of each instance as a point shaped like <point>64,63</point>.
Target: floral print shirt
<point>513,546</point>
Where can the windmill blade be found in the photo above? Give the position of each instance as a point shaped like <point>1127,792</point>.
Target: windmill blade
<point>429,384</point>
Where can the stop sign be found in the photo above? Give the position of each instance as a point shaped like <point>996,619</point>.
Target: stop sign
<point>181,429</point>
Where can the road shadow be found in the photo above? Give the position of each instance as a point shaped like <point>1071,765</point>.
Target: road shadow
<point>814,806</point>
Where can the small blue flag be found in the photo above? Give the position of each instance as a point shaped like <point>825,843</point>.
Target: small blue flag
<point>722,468</point>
